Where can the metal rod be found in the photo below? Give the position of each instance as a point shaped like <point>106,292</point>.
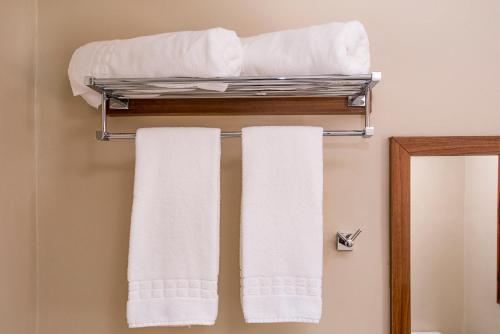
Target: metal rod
<point>355,235</point>
<point>104,118</point>
<point>92,81</point>
<point>368,102</point>
<point>235,87</point>
<point>235,134</point>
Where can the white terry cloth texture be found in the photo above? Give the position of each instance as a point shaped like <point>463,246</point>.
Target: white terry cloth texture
<point>282,224</point>
<point>334,48</point>
<point>208,53</point>
<point>174,237</point>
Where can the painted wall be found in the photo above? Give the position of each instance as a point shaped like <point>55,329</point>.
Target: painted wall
<point>17,167</point>
<point>425,50</point>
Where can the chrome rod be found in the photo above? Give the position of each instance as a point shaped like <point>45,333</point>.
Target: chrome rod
<point>234,87</point>
<point>229,134</point>
<point>104,116</point>
<point>368,102</point>
<point>355,235</point>
<point>93,81</point>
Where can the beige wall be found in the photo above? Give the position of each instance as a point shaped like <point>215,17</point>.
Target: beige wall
<point>425,49</point>
<point>437,244</point>
<point>17,167</point>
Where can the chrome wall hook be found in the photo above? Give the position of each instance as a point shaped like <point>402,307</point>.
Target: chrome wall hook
<point>345,241</point>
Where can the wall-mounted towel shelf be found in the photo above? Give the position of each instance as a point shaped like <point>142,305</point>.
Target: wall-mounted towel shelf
<point>291,95</point>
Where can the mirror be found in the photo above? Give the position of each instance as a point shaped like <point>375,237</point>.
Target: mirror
<point>445,239</point>
<point>453,238</point>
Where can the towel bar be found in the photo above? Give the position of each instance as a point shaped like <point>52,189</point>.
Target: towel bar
<point>356,90</point>
<point>367,132</point>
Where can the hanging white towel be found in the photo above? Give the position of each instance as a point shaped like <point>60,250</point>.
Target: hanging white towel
<point>174,236</point>
<point>282,224</point>
<point>334,48</point>
<point>214,52</point>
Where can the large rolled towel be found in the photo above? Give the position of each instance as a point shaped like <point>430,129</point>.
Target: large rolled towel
<point>334,48</point>
<point>208,53</point>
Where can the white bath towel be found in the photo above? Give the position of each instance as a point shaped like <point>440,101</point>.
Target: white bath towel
<point>334,48</point>
<point>281,224</point>
<point>174,237</point>
<point>209,53</point>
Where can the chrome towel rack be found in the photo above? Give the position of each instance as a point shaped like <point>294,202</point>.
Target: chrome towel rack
<point>350,93</point>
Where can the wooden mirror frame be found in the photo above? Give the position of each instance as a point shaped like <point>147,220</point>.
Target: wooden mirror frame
<point>401,151</point>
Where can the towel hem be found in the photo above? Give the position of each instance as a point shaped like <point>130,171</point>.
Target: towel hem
<point>272,320</point>
<point>173,323</point>
<point>172,312</point>
<point>272,308</point>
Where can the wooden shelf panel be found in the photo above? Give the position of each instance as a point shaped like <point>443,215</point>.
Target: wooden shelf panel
<point>238,106</point>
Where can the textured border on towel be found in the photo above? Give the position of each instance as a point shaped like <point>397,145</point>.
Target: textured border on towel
<point>281,286</point>
<point>172,288</point>
<point>281,299</point>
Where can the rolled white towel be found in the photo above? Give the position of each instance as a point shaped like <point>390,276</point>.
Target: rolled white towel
<point>209,53</point>
<point>333,48</point>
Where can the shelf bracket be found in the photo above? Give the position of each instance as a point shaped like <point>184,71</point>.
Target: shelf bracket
<point>115,103</point>
<point>369,130</point>
<point>356,101</point>
<point>103,133</point>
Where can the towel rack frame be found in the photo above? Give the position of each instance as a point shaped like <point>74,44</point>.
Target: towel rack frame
<point>321,95</point>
